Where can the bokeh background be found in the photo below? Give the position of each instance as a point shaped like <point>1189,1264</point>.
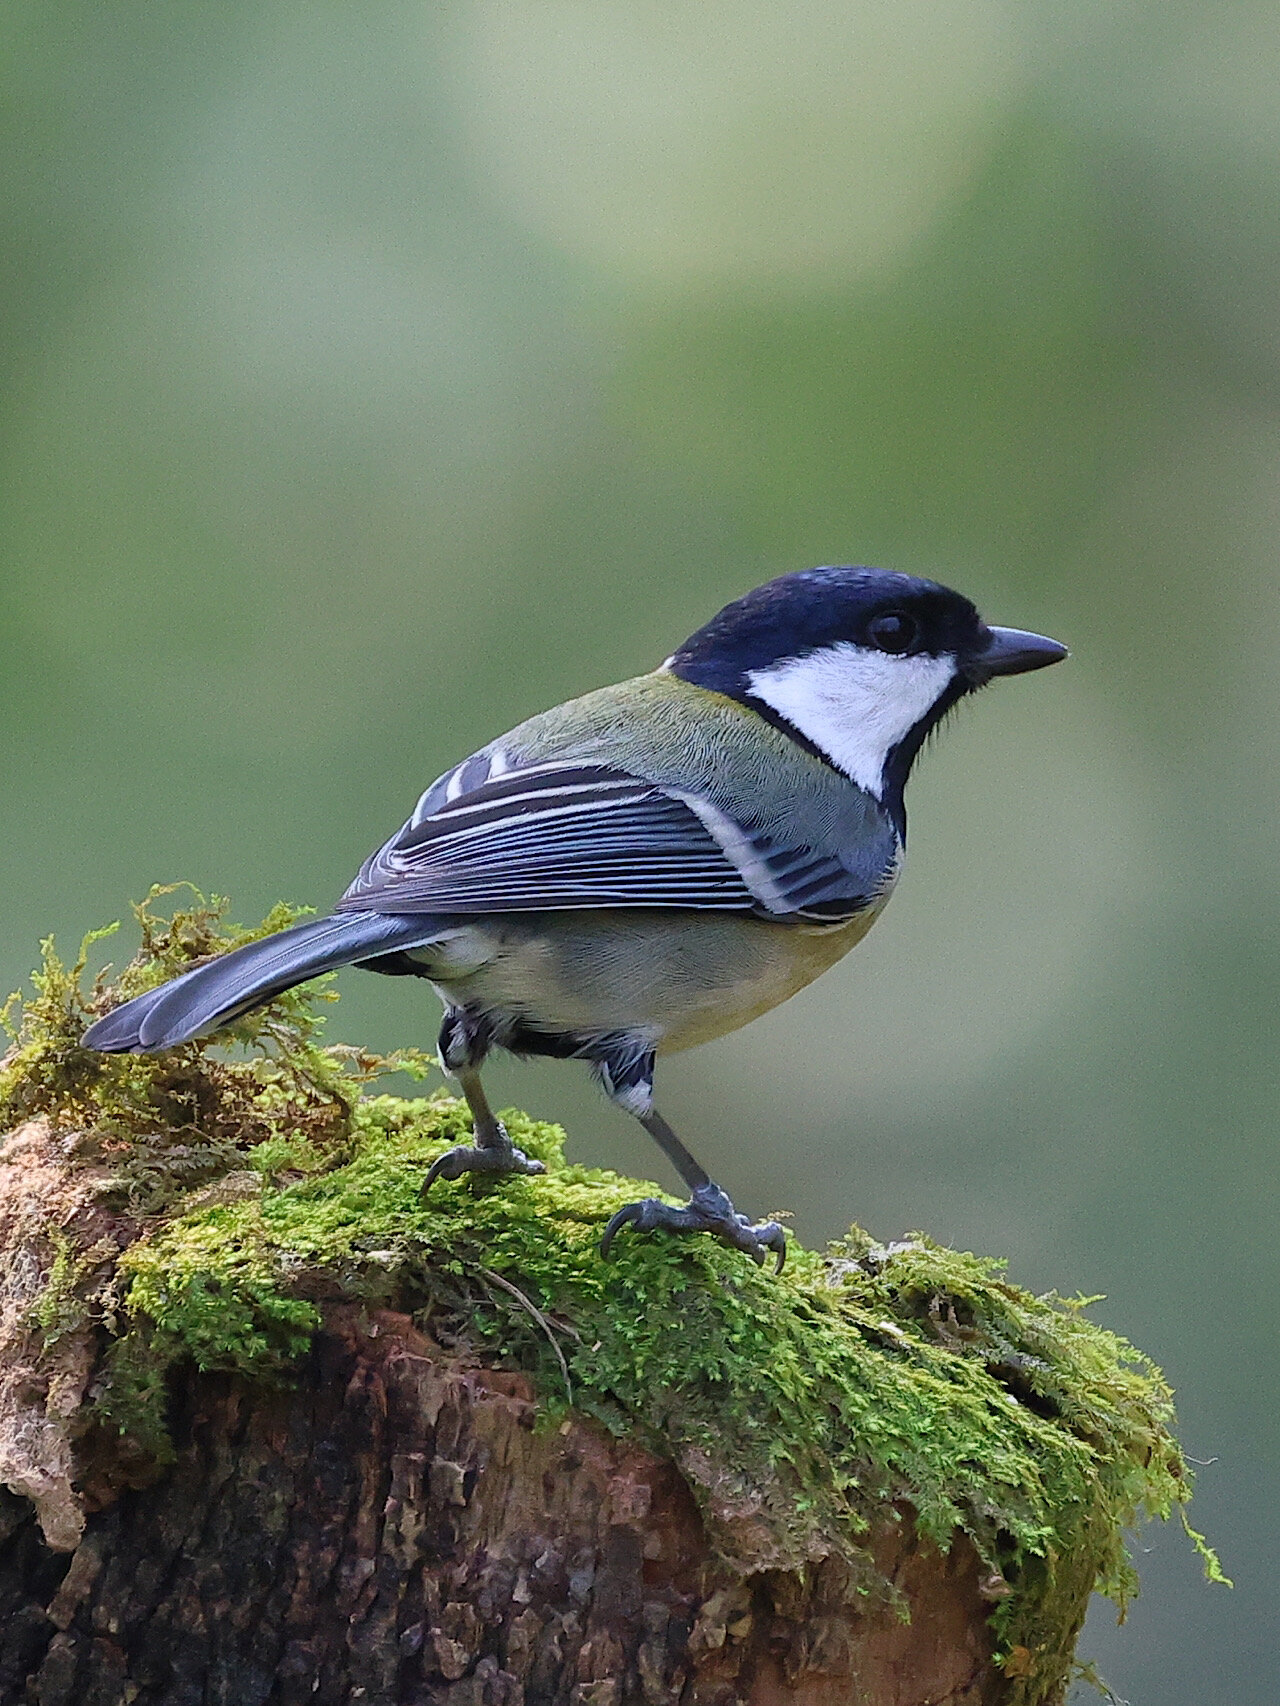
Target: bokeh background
<point>376,375</point>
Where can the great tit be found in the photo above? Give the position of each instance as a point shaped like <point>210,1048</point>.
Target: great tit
<point>649,866</point>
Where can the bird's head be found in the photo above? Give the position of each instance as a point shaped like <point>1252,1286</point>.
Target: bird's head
<point>857,664</point>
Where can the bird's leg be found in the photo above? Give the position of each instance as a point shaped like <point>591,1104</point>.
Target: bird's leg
<point>709,1209</point>
<point>464,1042</point>
<point>493,1151</point>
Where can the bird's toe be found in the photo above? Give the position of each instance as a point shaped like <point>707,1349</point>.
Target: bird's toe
<point>708,1210</point>
<point>492,1159</point>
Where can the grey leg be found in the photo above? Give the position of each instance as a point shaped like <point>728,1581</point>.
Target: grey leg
<point>463,1045</point>
<point>630,1083</point>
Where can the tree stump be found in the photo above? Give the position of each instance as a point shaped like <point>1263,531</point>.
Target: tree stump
<point>400,1528</point>
<point>277,1429</point>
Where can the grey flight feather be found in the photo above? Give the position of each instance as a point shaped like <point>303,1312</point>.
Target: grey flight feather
<point>222,989</point>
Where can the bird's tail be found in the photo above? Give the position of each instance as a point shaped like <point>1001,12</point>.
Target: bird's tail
<point>213,994</point>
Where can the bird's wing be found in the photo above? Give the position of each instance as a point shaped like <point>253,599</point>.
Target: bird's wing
<point>561,836</point>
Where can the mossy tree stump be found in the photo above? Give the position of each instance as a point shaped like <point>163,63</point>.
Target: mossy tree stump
<point>277,1429</point>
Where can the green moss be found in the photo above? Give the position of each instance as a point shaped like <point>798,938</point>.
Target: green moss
<point>862,1381</point>
<point>60,1308</point>
<point>166,1123</point>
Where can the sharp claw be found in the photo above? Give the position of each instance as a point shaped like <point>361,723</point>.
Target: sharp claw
<point>450,1165</point>
<point>616,1222</point>
<point>757,1241</point>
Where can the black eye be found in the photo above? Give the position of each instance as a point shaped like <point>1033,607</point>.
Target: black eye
<point>892,632</point>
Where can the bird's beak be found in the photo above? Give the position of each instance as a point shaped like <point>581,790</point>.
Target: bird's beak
<point>1009,651</point>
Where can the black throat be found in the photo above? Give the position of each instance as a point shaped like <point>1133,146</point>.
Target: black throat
<point>897,765</point>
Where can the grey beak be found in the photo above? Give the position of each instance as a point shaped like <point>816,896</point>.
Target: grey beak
<point>1009,651</point>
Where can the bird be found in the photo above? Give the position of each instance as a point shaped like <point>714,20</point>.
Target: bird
<point>646,867</point>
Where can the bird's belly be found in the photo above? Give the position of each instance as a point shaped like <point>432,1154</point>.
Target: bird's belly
<point>677,978</point>
<point>789,957</point>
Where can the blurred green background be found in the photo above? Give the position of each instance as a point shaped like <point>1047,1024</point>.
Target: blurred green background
<point>376,375</point>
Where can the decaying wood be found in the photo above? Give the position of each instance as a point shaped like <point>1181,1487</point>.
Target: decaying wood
<point>399,1528</point>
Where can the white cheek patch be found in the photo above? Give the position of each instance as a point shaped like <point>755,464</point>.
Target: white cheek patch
<point>853,703</point>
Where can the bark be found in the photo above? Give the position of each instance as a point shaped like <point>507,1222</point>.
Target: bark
<point>399,1529</point>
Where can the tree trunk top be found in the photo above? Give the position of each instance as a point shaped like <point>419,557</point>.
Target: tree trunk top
<point>213,1209</point>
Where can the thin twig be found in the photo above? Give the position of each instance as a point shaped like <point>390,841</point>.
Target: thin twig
<point>539,1317</point>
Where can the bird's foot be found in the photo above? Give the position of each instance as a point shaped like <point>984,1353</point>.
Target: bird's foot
<point>708,1210</point>
<point>497,1156</point>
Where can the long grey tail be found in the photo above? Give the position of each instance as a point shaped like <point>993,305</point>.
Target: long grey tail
<point>211,995</point>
